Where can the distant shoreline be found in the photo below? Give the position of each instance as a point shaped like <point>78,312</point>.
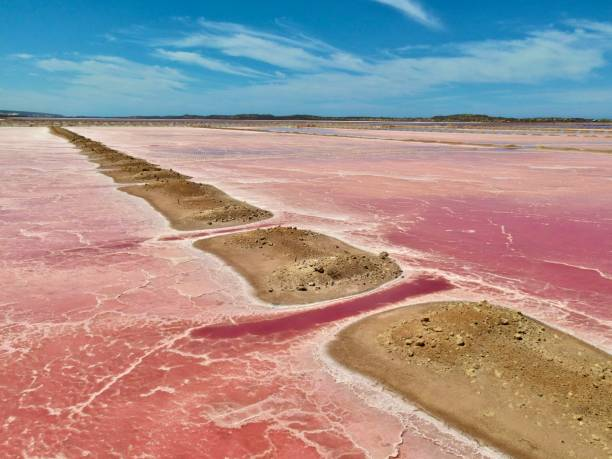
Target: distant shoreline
<point>457,118</point>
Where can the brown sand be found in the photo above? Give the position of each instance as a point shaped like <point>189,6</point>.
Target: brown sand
<point>293,266</point>
<point>186,204</point>
<point>507,379</point>
<point>191,206</point>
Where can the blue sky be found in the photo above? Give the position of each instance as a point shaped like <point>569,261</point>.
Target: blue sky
<point>342,57</point>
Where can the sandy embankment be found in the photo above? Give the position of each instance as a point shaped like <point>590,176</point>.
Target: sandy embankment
<point>507,379</point>
<point>285,265</point>
<point>293,266</point>
<point>186,204</point>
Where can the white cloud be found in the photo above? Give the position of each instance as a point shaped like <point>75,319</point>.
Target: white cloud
<point>109,37</point>
<point>331,80</point>
<point>297,54</point>
<point>550,55</point>
<point>116,75</point>
<point>23,56</point>
<point>603,27</point>
<point>216,65</point>
<point>541,56</point>
<point>414,11</point>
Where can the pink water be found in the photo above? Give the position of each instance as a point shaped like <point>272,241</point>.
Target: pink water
<point>314,318</point>
<point>117,338</point>
<point>549,137</point>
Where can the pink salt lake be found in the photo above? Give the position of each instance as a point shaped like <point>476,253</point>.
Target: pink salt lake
<point>119,338</point>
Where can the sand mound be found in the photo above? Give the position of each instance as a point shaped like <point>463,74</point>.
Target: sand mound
<point>191,206</point>
<point>521,386</point>
<point>187,205</point>
<point>293,266</point>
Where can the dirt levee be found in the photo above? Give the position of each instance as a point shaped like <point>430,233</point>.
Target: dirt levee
<point>186,204</point>
<point>500,376</point>
<point>191,206</point>
<point>294,266</point>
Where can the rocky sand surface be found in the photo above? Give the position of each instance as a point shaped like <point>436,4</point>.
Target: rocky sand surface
<point>287,265</point>
<point>495,373</point>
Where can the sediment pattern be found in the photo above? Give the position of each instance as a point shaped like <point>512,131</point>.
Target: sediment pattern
<point>96,314</point>
<point>118,337</point>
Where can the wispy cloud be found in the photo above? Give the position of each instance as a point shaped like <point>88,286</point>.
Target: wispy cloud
<point>187,57</point>
<point>320,78</point>
<point>540,57</point>
<point>237,41</point>
<point>22,56</point>
<point>116,75</point>
<point>414,11</point>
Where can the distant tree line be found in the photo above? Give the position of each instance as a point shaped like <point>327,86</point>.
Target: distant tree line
<point>462,118</point>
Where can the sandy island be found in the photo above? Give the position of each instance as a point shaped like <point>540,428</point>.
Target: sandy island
<point>187,205</point>
<point>496,374</point>
<point>294,266</point>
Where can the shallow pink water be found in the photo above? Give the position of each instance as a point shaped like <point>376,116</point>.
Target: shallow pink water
<point>525,225</point>
<point>107,314</point>
<point>574,138</point>
<point>299,322</point>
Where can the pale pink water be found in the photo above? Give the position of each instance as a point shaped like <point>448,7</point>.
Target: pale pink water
<point>117,336</point>
<point>600,139</point>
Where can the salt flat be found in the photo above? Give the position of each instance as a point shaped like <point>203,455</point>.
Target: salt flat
<point>104,304</point>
